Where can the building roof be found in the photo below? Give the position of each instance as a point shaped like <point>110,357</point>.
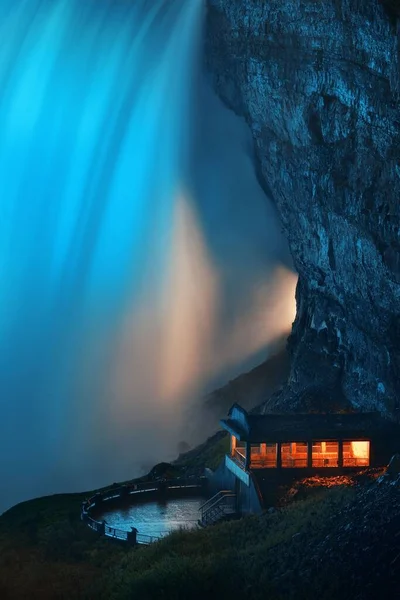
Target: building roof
<point>296,427</point>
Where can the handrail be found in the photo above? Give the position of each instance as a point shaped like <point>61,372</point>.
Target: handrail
<point>147,486</point>
<point>222,492</point>
<point>144,538</point>
<point>124,491</point>
<point>116,533</point>
<point>121,534</point>
<point>217,507</point>
<point>218,501</point>
<point>239,457</point>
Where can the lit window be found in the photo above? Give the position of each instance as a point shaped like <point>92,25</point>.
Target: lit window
<point>294,455</point>
<point>356,454</point>
<point>325,454</point>
<point>263,456</point>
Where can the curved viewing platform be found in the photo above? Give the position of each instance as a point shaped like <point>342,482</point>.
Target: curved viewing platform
<point>144,512</point>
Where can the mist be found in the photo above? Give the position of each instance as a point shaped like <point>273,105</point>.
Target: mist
<point>141,264</point>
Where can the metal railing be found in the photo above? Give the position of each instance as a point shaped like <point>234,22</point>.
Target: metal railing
<point>217,507</point>
<point>325,461</point>
<point>355,462</point>
<point>125,491</point>
<point>261,461</point>
<point>142,538</point>
<point>241,459</point>
<point>95,525</point>
<point>289,462</point>
<point>210,501</point>
<point>113,532</point>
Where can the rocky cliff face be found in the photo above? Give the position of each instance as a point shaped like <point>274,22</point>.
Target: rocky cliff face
<point>318,82</point>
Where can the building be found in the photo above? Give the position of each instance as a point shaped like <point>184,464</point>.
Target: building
<point>266,450</point>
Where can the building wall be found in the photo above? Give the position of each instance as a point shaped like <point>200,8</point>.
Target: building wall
<point>248,498</point>
<point>248,501</point>
<point>382,450</point>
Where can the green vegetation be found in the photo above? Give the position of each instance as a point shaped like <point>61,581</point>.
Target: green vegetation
<point>46,552</point>
<point>233,558</point>
<point>209,454</point>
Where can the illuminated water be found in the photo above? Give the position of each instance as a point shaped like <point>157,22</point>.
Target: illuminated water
<point>133,275</point>
<point>156,518</point>
<point>93,136</point>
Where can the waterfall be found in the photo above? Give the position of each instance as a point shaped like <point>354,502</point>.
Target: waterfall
<point>94,116</point>
<point>120,295</point>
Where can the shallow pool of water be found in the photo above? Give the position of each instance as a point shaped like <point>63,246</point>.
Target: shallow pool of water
<point>155,518</point>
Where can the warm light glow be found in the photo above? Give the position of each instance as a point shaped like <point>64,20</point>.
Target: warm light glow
<point>233,443</point>
<point>193,301</point>
<point>271,312</point>
<point>170,344</point>
<point>124,298</point>
<point>360,449</point>
<point>263,456</point>
<point>95,125</point>
<point>190,304</point>
<point>325,454</point>
<point>294,454</point>
<point>356,454</point>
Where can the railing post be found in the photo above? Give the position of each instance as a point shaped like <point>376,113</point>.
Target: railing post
<point>84,511</point>
<point>124,492</point>
<point>98,499</point>
<point>248,456</point>
<point>340,454</point>
<point>309,454</point>
<point>279,455</point>
<point>162,486</point>
<point>132,536</point>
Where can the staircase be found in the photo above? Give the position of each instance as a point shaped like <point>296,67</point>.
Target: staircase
<point>220,506</point>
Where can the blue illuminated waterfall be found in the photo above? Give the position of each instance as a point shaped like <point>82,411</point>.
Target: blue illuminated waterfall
<point>140,262</point>
<point>93,118</point>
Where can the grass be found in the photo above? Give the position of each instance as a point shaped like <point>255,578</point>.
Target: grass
<point>46,552</point>
<point>240,557</point>
<point>209,454</point>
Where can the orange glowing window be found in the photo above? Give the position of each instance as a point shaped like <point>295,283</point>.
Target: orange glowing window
<point>325,454</point>
<point>294,455</point>
<point>263,456</point>
<point>356,454</point>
